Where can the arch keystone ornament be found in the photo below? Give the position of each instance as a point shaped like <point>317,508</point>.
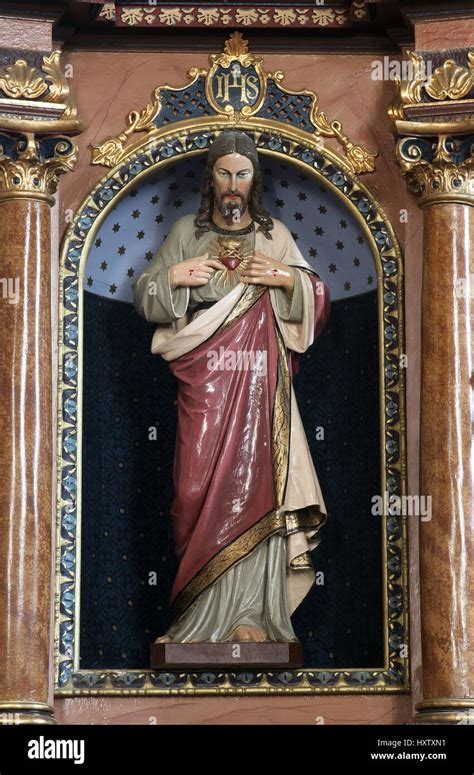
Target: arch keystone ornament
<point>239,89</point>
<point>434,121</point>
<point>236,82</point>
<point>37,117</point>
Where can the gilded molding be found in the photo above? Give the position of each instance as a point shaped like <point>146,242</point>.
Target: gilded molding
<point>226,16</point>
<point>20,713</point>
<point>305,15</point>
<point>440,171</point>
<point>47,86</point>
<point>291,144</point>
<point>231,14</point>
<point>448,82</point>
<point>36,115</point>
<point>444,710</point>
<point>187,127</point>
<point>30,167</point>
<point>434,121</point>
<point>233,69</point>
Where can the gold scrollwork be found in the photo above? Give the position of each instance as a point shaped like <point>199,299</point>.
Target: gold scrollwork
<point>441,175</point>
<point>409,90</point>
<point>440,179</point>
<point>360,159</point>
<point>449,81</point>
<point>112,150</point>
<point>22,81</point>
<point>31,176</point>
<point>36,108</point>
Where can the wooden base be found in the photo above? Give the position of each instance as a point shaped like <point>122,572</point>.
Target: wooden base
<point>233,655</point>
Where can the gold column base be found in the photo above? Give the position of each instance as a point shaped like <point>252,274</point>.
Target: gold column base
<point>445,710</point>
<point>21,713</point>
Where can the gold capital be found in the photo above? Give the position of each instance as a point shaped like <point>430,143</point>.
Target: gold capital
<point>36,116</point>
<point>33,167</point>
<point>434,121</point>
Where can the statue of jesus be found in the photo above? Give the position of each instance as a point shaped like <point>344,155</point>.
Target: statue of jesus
<point>234,300</point>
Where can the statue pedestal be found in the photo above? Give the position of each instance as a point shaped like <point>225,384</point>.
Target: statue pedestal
<point>232,655</point>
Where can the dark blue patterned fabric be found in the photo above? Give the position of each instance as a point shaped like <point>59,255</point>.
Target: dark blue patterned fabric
<point>127,488</point>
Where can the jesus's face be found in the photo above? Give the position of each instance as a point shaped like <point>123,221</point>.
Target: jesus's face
<point>232,176</point>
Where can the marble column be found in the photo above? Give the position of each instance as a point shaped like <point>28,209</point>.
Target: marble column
<point>447,414</point>
<point>434,150</point>
<point>36,119</point>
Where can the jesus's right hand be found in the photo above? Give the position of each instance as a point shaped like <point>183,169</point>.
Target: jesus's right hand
<point>193,271</point>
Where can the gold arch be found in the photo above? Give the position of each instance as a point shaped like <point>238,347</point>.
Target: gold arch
<point>295,137</point>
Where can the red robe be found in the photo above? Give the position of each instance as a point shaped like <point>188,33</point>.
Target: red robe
<point>226,494</point>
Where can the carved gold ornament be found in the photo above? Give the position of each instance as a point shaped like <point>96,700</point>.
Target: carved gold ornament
<point>450,81</point>
<point>112,149</point>
<point>236,88</point>
<point>148,15</point>
<point>360,9</point>
<point>31,175</point>
<point>22,81</point>
<point>439,178</point>
<point>434,120</point>
<point>360,159</point>
<point>36,114</point>
<point>107,12</point>
<point>228,72</point>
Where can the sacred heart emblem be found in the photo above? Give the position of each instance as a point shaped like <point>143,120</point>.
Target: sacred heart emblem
<point>230,252</point>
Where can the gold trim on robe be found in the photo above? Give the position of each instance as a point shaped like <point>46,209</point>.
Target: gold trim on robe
<point>300,510</point>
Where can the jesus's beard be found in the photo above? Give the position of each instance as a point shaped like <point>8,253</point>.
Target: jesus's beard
<point>232,208</point>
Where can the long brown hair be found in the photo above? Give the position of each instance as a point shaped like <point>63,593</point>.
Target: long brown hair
<point>232,141</point>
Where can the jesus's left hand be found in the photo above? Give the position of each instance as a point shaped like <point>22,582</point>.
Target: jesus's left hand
<point>263,270</point>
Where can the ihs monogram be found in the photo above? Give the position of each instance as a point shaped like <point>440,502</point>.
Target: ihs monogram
<point>245,83</point>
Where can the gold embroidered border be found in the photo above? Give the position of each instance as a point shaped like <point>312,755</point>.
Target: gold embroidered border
<point>251,294</point>
<point>281,423</point>
<point>293,521</point>
<point>276,519</point>
<point>226,558</point>
<point>308,517</point>
<point>302,562</point>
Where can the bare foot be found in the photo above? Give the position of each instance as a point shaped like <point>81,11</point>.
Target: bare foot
<point>248,632</point>
<point>163,639</point>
